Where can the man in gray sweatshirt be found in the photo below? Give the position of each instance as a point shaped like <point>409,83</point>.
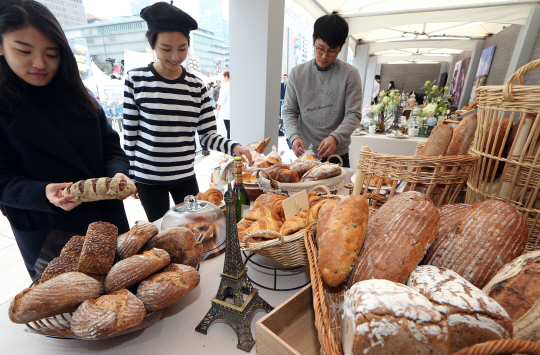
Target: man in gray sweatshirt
<point>323,101</point>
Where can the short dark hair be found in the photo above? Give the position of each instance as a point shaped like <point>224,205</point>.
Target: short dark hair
<point>19,14</point>
<point>285,75</point>
<point>151,36</point>
<point>333,29</point>
<point>377,77</point>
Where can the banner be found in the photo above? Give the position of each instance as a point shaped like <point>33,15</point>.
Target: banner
<point>82,56</point>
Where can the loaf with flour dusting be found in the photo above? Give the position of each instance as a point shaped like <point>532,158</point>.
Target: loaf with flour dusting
<point>517,288</point>
<point>63,293</point>
<point>481,242</point>
<point>107,315</point>
<point>131,242</point>
<point>381,317</point>
<point>473,317</point>
<point>136,268</point>
<point>398,235</point>
<point>181,244</point>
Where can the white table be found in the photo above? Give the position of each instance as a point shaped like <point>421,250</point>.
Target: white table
<point>174,334</point>
<point>381,143</point>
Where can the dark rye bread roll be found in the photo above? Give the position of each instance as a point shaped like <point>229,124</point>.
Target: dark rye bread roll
<point>481,242</point>
<point>180,243</point>
<point>516,287</point>
<point>136,268</point>
<point>342,239</point>
<point>131,242</point>
<point>381,317</point>
<point>398,235</point>
<point>473,317</point>
<point>97,256</point>
<point>61,294</point>
<point>104,188</point>
<point>107,315</point>
<point>73,247</point>
<point>60,265</point>
<point>165,288</point>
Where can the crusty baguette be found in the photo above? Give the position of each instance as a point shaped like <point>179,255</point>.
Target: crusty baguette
<point>398,236</point>
<point>96,189</point>
<point>136,268</point>
<point>180,243</point>
<point>481,242</point>
<point>131,242</point>
<point>324,215</point>
<point>58,295</point>
<point>342,239</point>
<point>107,315</point>
<point>99,248</point>
<point>163,289</point>
<point>438,141</point>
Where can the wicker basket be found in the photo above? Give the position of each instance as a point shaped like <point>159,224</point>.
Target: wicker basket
<point>440,178</point>
<point>502,347</point>
<point>509,171</point>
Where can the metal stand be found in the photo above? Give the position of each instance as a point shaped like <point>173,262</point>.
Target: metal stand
<point>234,284</point>
<point>276,269</point>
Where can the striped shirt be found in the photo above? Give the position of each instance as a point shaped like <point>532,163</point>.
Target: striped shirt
<point>161,117</point>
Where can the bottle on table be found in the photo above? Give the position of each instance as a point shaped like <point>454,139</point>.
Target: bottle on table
<point>242,197</point>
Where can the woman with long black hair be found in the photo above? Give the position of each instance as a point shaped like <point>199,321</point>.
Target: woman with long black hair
<point>52,133</point>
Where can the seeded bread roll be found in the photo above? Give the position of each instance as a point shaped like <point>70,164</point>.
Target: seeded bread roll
<point>381,317</point>
<point>97,256</point>
<point>107,315</point>
<point>136,268</point>
<point>60,265</point>
<point>163,289</point>
<point>73,247</point>
<point>130,243</point>
<point>481,242</point>
<point>473,317</point>
<point>58,295</point>
<point>97,189</point>
<point>180,243</point>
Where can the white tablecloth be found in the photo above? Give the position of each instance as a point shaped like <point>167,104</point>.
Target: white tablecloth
<point>380,143</point>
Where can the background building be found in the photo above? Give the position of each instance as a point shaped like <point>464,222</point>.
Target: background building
<point>68,12</point>
<point>211,14</point>
<point>138,5</point>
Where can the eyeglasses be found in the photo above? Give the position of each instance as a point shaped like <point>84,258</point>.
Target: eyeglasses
<point>329,53</point>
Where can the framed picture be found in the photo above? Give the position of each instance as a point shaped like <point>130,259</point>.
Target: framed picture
<point>483,70</point>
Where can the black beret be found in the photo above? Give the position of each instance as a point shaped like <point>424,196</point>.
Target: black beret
<point>164,16</point>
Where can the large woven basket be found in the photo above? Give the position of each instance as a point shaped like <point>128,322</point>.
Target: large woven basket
<point>327,305</point>
<point>440,178</point>
<point>509,171</point>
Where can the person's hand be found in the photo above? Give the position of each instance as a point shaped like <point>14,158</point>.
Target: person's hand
<point>53,192</point>
<point>125,177</point>
<point>296,145</point>
<point>327,147</point>
<point>240,150</point>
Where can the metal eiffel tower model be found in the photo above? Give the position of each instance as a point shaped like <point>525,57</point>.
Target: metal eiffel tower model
<point>234,284</point>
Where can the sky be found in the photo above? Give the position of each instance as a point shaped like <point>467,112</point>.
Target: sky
<point>113,8</point>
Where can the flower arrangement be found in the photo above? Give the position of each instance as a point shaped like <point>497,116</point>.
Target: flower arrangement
<point>437,102</point>
<point>386,108</point>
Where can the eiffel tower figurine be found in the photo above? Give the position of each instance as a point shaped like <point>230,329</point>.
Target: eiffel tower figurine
<point>234,284</point>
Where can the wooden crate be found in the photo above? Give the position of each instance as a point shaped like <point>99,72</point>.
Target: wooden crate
<point>289,328</point>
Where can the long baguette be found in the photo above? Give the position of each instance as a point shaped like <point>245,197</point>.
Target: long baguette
<point>96,189</point>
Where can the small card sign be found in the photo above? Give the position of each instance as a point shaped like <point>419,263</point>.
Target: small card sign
<point>295,204</point>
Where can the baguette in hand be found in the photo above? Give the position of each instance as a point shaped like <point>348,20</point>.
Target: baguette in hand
<point>104,188</point>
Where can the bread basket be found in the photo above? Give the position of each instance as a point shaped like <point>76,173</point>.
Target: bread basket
<point>287,250</point>
<point>509,167</point>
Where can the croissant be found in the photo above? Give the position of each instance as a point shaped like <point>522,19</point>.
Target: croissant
<point>313,212</point>
<point>213,196</point>
<point>273,201</point>
<point>313,198</point>
<point>292,225</point>
<point>260,212</point>
<point>286,175</point>
<point>243,224</point>
<point>265,223</point>
<point>200,196</point>
<point>103,188</point>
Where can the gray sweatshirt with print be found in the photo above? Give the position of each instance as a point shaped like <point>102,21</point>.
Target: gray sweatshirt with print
<point>319,104</point>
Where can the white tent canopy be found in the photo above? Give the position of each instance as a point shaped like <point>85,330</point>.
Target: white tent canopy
<point>421,26</point>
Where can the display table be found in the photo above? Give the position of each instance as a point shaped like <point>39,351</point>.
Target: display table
<point>174,334</point>
<point>380,143</point>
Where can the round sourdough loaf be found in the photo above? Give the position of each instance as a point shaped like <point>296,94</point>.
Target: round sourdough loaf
<point>163,289</point>
<point>180,243</point>
<point>517,288</point>
<point>130,243</point>
<point>107,315</point>
<point>58,295</point>
<point>381,317</point>
<point>473,317</point>
<point>136,268</point>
